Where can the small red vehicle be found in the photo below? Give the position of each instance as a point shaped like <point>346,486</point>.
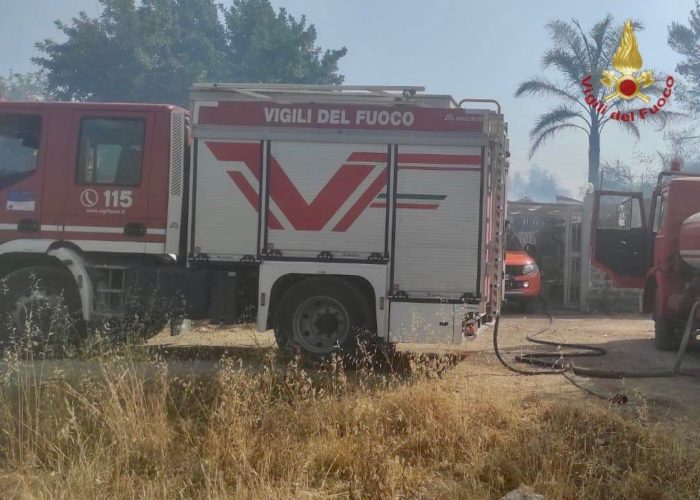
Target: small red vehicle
<point>523,279</point>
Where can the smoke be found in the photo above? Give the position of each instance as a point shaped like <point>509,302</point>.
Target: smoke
<point>538,184</point>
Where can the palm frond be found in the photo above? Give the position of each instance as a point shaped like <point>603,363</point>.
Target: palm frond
<point>600,32</point>
<point>564,34</point>
<point>548,134</point>
<point>662,118</point>
<point>602,36</point>
<point>542,87</point>
<point>629,127</point>
<point>565,62</point>
<point>555,116</point>
<point>586,43</point>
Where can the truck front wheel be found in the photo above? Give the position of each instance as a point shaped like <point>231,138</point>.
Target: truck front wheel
<point>39,307</point>
<point>666,337</point>
<point>321,316</point>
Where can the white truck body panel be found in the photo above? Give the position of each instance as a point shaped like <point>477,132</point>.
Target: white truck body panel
<point>226,226</point>
<point>425,323</point>
<point>315,189</point>
<point>437,221</point>
<point>408,195</point>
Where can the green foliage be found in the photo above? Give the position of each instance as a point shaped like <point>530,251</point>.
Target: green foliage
<point>681,144</point>
<point>151,52</point>
<point>276,48</point>
<point>685,40</point>
<point>24,87</point>
<point>155,50</point>
<point>616,176</point>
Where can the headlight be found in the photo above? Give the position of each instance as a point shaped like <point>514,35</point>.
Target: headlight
<point>530,268</point>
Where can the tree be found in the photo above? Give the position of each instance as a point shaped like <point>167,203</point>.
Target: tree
<point>575,55</point>
<point>24,87</point>
<point>276,48</point>
<point>151,52</point>
<point>616,176</point>
<point>685,40</point>
<point>155,50</point>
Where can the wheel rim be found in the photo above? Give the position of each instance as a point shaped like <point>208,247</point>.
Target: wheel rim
<point>320,324</point>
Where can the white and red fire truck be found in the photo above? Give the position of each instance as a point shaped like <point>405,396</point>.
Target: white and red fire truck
<point>319,208</point>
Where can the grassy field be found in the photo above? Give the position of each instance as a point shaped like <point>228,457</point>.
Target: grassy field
<point>131,423</point>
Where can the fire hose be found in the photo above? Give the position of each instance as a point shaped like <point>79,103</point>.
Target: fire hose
<point>555,362</point>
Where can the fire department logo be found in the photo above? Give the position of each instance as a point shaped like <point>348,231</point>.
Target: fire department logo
<point>89,198</point>
<point>627,81</point>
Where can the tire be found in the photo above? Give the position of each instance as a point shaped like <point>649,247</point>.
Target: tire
<point>321,317</point>
<point>665,337</point>
<point>524,306</point>
<point>40,307</point>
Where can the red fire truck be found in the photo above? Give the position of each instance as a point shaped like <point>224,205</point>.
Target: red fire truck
<point>320,209</point>
<point>659,253</point>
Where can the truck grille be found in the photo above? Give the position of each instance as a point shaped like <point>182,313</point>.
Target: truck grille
<point>515,270</point>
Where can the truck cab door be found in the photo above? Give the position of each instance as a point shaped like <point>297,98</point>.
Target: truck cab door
<point>106,202</point>
<point>620,237</point>
<point>23,153</point>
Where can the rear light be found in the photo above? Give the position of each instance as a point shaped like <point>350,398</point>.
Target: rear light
<point>469,328</point>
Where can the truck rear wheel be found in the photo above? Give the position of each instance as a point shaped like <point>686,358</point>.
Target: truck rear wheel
<point>321,316</point>
<point>665,336</point>
<point>39,306</point>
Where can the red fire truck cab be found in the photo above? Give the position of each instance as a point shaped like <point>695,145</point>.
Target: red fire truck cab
<point>657,253</point>
<point>319,209</point>
<point>92,205</point>
<point>93,177</point>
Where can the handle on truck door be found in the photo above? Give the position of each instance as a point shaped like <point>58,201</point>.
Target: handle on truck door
<point>135,229</point>
<point>28,225</point>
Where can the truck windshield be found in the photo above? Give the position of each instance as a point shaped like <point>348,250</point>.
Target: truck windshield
<point>512,242</point>
<point>620,212</point>
<point>19,146</point>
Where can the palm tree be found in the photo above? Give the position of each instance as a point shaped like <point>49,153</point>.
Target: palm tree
<point>575,55</point>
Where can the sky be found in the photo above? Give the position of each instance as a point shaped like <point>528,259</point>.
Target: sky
<point>464,48</point>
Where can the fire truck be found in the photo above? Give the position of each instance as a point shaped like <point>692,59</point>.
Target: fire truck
<point>321,210</point>
<point>656,251</point>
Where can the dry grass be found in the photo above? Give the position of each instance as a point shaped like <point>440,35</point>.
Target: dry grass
<point>127,428</point>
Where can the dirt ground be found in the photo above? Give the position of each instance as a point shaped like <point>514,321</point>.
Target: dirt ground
<point>628,341</point>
